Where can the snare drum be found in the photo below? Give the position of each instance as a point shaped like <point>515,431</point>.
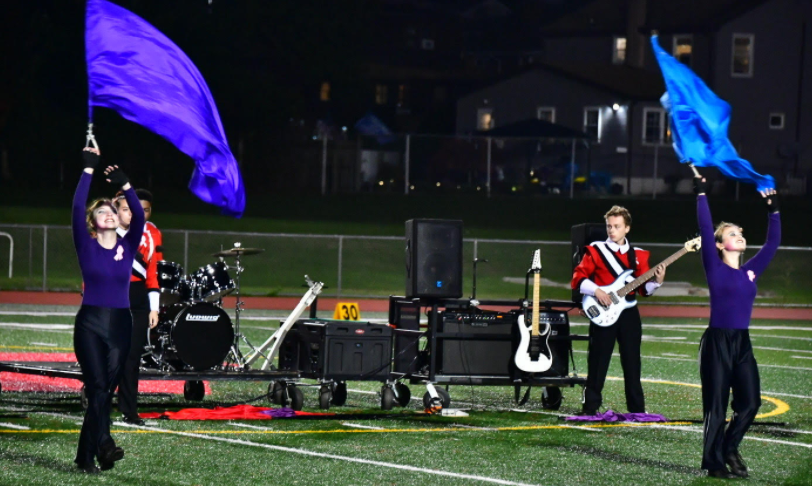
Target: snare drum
<point>170,275</point>
<point>192,335</point>
<point>214,282</point>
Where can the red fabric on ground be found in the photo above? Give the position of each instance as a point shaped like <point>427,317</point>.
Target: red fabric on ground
<point>237,412</point>
<point>20,382</point>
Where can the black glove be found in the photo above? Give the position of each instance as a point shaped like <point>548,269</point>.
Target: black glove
<point>700,185</point>
<point>772,203</point>
<point>90,159</point>
<point>117,177</point>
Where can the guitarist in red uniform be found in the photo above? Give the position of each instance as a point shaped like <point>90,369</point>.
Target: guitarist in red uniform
<point>602,263</point>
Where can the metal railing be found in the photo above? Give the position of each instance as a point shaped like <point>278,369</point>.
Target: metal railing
<point>370,266</point>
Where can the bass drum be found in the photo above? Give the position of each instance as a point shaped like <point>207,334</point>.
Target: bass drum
<point>197,336</point>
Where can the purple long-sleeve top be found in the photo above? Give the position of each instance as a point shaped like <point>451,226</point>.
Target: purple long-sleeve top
<point>733,290</point>
<point>105,273</point>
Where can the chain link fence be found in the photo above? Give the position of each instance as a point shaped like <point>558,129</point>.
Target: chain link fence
<point>371,266</point>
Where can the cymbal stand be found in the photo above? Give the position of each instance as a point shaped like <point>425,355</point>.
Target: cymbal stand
<point>237,357</point>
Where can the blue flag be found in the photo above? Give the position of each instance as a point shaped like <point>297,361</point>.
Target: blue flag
<point>699,122</point>
<point>137,71</point>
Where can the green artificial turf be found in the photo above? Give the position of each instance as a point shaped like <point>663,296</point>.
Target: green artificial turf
<point>495,443</point>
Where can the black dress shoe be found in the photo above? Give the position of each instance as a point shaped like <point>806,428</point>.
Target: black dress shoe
<point>110,454</point>
<point>134,420</point>
<point>736,463</point>
<point>722,474</point>
<point>588,411</point>
<point>88,468</point>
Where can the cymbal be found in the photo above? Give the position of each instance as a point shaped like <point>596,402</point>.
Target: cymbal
<point>238,251</point>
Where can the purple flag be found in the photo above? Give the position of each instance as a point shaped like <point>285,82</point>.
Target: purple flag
<point>137,71</point>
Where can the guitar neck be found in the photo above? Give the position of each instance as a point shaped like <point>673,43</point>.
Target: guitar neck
<point>535,322</point>
<point>631,286</point>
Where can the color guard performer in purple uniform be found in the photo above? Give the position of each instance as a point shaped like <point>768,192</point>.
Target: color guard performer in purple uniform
<point>725,354</point>
<point>101,337</point>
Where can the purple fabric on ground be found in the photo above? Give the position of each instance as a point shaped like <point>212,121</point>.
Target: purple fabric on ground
<point>280,412</point>
<point>612,416</point>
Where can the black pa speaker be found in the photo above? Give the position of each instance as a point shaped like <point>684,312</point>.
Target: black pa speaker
<point>582,235</point>
<point>434,258</point>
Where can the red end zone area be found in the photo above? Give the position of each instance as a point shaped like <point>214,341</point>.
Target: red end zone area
<point>19,382</point>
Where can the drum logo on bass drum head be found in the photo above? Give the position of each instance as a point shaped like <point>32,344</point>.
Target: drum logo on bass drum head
<point>194,317</point>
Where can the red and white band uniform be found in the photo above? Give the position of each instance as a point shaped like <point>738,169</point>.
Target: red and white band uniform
<point>595,271</point>
<point>144,300</point>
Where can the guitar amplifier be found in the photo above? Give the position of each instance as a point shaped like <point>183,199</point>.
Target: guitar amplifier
<point>485,344</point>
<point>337,350</point>
<point>476,344</point>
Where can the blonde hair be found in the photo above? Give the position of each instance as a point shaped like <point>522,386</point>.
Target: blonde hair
<point>718,234</point>
<point>91,213</point>
<point>619,211</point>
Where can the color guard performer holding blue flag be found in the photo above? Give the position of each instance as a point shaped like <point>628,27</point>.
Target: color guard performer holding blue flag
<point>699,120</point>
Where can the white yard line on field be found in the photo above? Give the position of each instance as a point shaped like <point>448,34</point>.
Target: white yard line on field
<point>359,426</point>
<point>247,426</point>
<point>40,314</point>
<point>13,426</point>
<point>38,326</point>
<point>336,457</point>
<point>748,437</point>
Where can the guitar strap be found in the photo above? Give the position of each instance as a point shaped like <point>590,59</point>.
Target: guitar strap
<point>613,264</point>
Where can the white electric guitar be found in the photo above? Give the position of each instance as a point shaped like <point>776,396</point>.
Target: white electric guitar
<point>617,290</point>
<point>533,355</point>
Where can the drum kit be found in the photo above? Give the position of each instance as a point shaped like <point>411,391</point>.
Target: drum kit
<point>194,332</point>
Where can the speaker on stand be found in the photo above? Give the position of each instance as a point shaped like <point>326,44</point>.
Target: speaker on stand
<point>433,258</point>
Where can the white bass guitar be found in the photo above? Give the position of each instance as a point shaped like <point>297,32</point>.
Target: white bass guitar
<point>617,290</point>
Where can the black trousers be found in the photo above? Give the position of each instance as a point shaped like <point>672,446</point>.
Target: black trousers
<point>628,332</point>
<point>726,361</point>
<point>101,340</point>
<point>128,385</point>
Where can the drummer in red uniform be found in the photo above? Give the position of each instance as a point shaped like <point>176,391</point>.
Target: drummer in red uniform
<point>144,300</point>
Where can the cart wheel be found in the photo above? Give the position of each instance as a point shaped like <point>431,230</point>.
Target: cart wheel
<point>277,393</point>
<point>387,398</point>
<point>296,397</point>
<point>83,398</point>
<point>442,401</point>
<point>339,394</point>
<point>404,394</point>
<point>194,390</point>
<point>551,397</point>
<point>325,396</point>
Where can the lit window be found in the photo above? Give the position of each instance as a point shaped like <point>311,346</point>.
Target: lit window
<point>683,48</point>
<point>742,62</point>
<point>546,113</point>
<point>777,121</point>
<point>619,50</point>
<point>592,123</point>
<point>324,93</point>
<point>656,129</point>
<point>381,94</point>
<point>484,119</point>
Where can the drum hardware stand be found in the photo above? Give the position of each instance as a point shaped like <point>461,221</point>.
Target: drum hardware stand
<point>274,342</point>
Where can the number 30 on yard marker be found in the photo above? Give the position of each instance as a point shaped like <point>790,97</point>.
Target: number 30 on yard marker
<point>347,311</point>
